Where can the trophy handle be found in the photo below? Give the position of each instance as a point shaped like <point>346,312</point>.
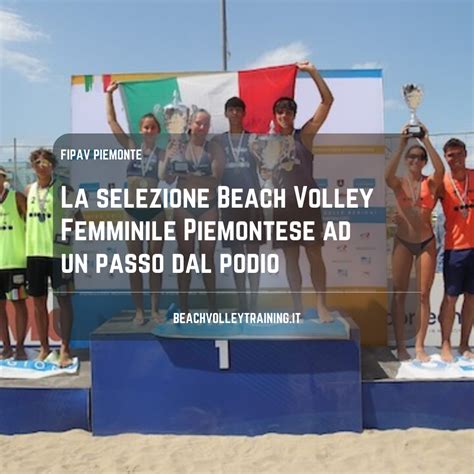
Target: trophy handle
<point>156,110</point>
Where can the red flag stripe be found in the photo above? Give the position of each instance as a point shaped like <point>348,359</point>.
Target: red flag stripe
<point>259,89</point>
<point>106,80</point>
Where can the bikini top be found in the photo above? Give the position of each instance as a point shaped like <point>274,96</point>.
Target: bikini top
<point>146,167</point>
<point>420,196</point>
<point>204,165</point>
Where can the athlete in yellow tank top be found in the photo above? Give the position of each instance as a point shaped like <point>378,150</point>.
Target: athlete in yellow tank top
<point>12,267</point>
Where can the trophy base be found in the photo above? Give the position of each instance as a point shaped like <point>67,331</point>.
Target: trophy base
<point>415,131</point>
<point>180,167</point>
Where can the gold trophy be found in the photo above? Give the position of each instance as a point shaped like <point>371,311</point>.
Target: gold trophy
<point>273,151</point>
<point>176,120</point>
<point>413,95</point>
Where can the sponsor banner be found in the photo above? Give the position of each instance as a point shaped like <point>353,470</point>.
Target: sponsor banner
<point>433,337</point>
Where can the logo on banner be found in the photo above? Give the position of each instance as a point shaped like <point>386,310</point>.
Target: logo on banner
<point>342,272</point>
<point>364,183</point>
<point>90,187</point>
<point>342,248</point>
<point>321,182</point>
<point>365,260</point>
<point>365,236</point>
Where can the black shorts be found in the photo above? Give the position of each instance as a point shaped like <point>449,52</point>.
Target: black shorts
<point>292,213</point>
<point>39,269</point>
<point>13,284</point>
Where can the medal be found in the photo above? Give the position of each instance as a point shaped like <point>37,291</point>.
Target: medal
<point>42,200</point>
<point>415,192</point>
<point>462,198</point>
<point>236,154</point>
<point>287,165</point>
<point>196,161</point>
<point>145,166</point>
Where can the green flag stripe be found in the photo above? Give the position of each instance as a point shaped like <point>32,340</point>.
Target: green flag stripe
<point>142,97</point>
<point>88,81</point>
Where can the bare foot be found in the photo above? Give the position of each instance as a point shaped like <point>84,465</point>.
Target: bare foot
<point>402,354</point>
<point>138,320</point>
<point>65,358</point>
<point>446,354</point>
<point>43,353</point>
<point>466,352</point>
<point>325,315</point>
<point>422,356</point>
<point>20,354</point>
<point>6,353</point>
<point>158,316</point>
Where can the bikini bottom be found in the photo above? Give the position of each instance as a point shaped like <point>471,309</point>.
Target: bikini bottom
<point>415,248</point>
<point>197,212</point>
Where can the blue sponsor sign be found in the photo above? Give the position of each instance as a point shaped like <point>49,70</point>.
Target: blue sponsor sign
<point>364,183</point>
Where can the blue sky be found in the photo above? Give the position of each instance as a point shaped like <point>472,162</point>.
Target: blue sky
<point>45,42</point>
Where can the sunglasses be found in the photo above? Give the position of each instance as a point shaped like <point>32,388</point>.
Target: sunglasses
<point>416,157</point>
<point>42,163</point>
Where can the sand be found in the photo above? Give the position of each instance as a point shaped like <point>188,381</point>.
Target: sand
<point>394,451</point>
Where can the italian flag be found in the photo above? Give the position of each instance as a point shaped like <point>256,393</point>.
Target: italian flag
<point>258,88</point>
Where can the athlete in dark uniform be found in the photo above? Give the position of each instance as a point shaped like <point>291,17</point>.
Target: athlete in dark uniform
<point>301,174</point>
<point>240,172</point>
<point>141,174</point>
<point>205,163</point>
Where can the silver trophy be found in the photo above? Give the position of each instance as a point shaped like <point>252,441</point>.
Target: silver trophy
<point>176,120</point>
<point>413,95</point>
<point>273,151</point>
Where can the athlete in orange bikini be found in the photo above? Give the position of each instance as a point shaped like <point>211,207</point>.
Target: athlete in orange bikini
<point>416,196</point>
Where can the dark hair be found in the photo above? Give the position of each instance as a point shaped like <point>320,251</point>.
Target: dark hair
<point>285,103</point>
<point>419,147</point>
<point>152,116</point>
<point>454,143</point>
<point>235,102</point>
<point>43,153</point>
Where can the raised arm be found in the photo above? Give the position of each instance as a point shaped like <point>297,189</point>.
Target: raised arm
<point>116,128</point>
<point>435,179</point>
<point>312,126</point>
<point>392,180</point>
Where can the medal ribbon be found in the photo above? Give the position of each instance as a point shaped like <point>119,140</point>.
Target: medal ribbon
<point>415,191</point>
<point>145,165</point>
<point>236,155</point>
<point>462,197</point>
<point>42,200</point>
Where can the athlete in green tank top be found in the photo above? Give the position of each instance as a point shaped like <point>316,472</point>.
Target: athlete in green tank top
<point>44,221</point>
<point>12,267</point>
<point>12,228</point>
<point>44,249</point>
